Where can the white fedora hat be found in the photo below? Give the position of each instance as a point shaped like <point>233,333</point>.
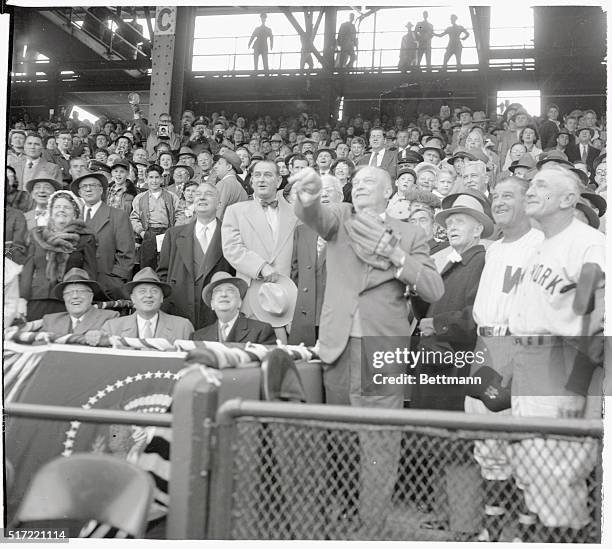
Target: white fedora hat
<point>273,302</point>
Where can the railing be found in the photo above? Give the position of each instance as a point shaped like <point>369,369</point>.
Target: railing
<point>288,471</point>
<point>286,55</point>
<point>259,470</point>
<point>83,19</point>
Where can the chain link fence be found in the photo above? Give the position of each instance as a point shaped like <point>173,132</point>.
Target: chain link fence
<point>293,479</point>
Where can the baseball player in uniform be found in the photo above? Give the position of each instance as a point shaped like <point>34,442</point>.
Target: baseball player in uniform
<point>502,272</point>
<point>553,472</point>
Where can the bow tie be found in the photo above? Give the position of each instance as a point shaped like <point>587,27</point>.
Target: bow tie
<point>454,257</point>
<point>40,213</point>
<point>272,204</point>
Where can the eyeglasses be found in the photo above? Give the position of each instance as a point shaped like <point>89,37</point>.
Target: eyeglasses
<point>68,293</point>
<point>87,186</point>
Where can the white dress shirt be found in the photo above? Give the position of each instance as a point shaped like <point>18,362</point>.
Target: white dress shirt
<point>92,209</point>
<point>208,230</point>
<point>142,321</point>
<point>378,158</point>
<point>273,221</point>
<point>226,327</point>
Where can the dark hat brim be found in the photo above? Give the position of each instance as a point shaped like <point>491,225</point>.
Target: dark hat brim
<point>438,150</point>
<point>185,167</point>
<point>599,202</point>
<point>482,218</point>
<point>238,282</point>
<point>74,186</point>
<point>99,294</point>
<point>57,185</point>
<point>590,214</point>
<point>165,288</point>
<point>545,160</point>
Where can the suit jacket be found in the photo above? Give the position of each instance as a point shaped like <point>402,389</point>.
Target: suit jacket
<point>42,169</point>
<point>389,162</point>
<point>168,327</point>
<point>15,235</point>
<point>354,285</point>
<point>309,273</point>
<point>61,324</point>
<point>573,155</point>
<point>64,165</point>
<point>176,267</point>
<point>244,329</point>
<point>248,243</point>
<point>455,330</point>
<point>115,254</point>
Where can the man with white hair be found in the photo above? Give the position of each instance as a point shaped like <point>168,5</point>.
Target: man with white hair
<point>308,271</point>
<point>475,176</point>
<point>551,377</point>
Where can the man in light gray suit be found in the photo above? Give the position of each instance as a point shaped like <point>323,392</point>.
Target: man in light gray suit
<point>77,290</point>
<point>257,235</point>
<point>147,293</point>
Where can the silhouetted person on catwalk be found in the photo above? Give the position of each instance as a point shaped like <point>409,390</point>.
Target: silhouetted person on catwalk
<point>456,33</point>
<point>260,38</point>
<point>347,41</point>
<point>424,33</point>
<point>408,50</point>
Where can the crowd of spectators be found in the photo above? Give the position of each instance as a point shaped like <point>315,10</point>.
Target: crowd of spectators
<point>220,225</point>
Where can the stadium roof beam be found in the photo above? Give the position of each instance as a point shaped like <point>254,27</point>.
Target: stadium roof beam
<point>481,24</point>
<point>306,36</point>
<point>56,17</point>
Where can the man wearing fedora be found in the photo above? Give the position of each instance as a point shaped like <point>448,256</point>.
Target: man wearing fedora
<point>257,235</point>
<point>448,327</point>
<point>227,165</point>
<point>371,260</point>
<point>77,290</point>
<point>31,165</point>
<point>180,175</point>
<point>224,295</point>
<point>40,189</point>
<point>115,253</point>
<point>379,157</point>
<point>186,157</point>
<point>147,293</point>
<point>190,256</point>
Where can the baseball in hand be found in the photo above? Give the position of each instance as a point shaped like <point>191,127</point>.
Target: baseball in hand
<point>306,181</point>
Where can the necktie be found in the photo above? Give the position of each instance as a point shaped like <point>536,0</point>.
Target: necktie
<point>223,331</point>
<point>373,159</point>
<point>30,164</point>
<point>39,213</point>
<point>272,204</point>
<point>87,215</point>
<point>202,239</point>
<point>147,332</point>
<point>584,153</point>
<point>75,324</point>
<point>321,244</point>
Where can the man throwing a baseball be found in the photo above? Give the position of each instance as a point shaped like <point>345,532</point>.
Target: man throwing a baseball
<point>372,259</point>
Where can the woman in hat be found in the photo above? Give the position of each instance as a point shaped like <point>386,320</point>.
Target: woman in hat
<point>64,243</point>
